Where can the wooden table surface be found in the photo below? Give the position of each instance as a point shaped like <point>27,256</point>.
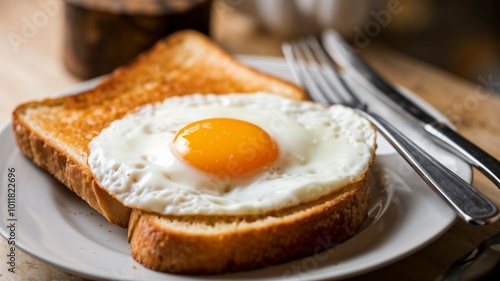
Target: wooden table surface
<point>33,69</point>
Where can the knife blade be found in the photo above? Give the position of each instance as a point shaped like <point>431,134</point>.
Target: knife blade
<point>443,134</point>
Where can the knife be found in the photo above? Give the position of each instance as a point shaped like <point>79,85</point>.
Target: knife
<point>345,57</point>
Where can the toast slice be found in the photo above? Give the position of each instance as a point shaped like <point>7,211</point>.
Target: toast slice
<point>55,133</point>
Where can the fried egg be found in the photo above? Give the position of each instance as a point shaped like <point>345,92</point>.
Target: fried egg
<point>233,154</point>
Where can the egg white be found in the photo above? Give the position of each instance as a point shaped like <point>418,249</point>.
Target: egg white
<point>320,150</point>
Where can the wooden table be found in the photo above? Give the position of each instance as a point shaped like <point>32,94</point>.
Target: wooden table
<point>34,70</point>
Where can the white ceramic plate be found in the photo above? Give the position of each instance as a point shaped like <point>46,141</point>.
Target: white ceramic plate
<point>56,226</point>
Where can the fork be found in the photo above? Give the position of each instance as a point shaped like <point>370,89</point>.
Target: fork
<point>315,71</point>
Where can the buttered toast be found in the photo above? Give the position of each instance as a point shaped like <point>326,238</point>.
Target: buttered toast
<point>56,133</point>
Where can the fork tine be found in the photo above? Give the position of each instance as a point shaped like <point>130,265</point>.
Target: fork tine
<point>329,90</point>
<point>298,66</point>
<point>337,81</point>
<point>291,61</point>
<point>310,66</point>
<point>314,67</point>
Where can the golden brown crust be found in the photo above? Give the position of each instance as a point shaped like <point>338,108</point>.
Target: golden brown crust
<point>69,172</point>
<point>173,244</point>
<point>184,63</point>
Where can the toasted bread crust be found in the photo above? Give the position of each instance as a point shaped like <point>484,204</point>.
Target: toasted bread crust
<point>69,172</point>
<point>169,243</point>
<point>184,63</point>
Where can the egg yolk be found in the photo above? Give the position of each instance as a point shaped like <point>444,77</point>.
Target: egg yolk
<point>224,146</point>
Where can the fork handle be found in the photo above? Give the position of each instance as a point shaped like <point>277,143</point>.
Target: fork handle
<point>461,147</point>
<point>467,202</point>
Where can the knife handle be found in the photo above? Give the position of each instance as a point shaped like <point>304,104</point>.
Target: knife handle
<point>468,151</point>
<point>467,202</point>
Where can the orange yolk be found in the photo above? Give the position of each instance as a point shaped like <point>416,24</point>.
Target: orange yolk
<point>224,146</point>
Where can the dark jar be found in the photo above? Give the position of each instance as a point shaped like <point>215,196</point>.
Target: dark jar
<point>103,35</point>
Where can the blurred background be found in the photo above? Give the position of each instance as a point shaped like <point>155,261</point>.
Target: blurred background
<point>461,37</point>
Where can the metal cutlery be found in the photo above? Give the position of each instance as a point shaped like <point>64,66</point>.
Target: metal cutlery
<point>313,69</point>
<point>345,57</point>
<point>481,263</point>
